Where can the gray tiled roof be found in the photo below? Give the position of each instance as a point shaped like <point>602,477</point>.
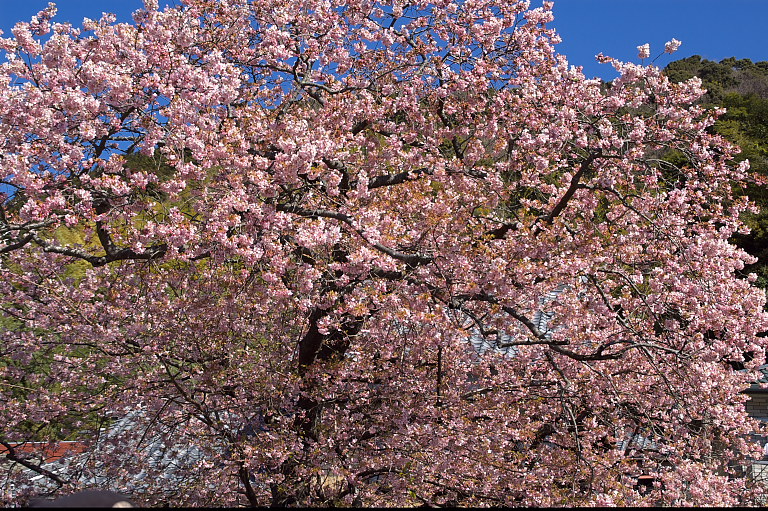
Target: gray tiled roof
<point>759,385</point>
<point>174,463</point>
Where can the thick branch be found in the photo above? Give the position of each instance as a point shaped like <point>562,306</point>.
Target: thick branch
<point>245,477</point>
<point>19,244</point>
<point>310,344</point>
<point>596,355</point>
<point>572,187</point>
<point>23,232</point>
<point>501,231</point>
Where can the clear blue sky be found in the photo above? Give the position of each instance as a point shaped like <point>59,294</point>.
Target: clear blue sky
<point>715,29</point>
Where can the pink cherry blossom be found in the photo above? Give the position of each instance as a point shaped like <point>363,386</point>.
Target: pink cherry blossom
<point>672,46</point>
<point>366,254</point>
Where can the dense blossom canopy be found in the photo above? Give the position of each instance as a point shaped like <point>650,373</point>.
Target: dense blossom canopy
<point>259,236</point>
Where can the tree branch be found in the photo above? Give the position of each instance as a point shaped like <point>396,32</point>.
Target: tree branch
<point>572,187</point>
<point>153,252</point>
<point>396,179</point>
<point>13,456</point>
<point>411,260</point>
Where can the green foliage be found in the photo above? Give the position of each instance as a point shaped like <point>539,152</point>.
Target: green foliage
<point>729,75</point>
<point>153,165</point>
<point>741,86</point>
<point>72,237</point>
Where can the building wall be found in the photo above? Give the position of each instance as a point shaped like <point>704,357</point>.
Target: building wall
<point>757,406</point>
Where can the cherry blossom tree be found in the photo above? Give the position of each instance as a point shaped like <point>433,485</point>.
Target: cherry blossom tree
<point>247,248</point>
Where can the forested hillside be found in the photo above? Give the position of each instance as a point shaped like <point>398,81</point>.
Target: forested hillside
<point>741,86</point>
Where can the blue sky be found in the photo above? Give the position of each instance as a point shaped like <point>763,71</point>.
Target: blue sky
<point>715,29</point>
